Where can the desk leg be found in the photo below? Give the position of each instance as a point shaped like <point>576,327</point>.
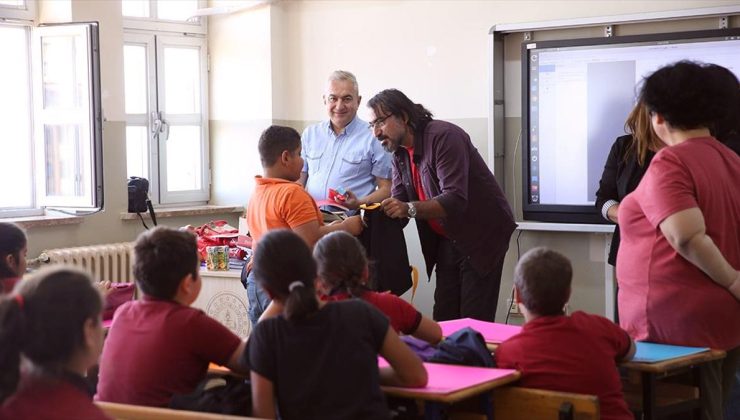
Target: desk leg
<point>696,373</point>
<point>433,410</point>
<point>609,309</point>
<point>648,396</point>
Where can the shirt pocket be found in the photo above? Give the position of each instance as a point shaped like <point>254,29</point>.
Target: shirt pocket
<point>313,160</point>
<point>354,164</point>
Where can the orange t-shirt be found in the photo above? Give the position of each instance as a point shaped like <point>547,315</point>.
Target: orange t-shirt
<point>279,203</point>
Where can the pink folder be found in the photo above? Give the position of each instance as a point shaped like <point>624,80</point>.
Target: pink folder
<point>446,379</point>
<point>492,332</point>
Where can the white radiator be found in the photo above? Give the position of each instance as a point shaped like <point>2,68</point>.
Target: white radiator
<point>113,262</point>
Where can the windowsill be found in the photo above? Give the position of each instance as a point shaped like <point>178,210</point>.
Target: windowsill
<point>165,212</point>
<point>52,219</point>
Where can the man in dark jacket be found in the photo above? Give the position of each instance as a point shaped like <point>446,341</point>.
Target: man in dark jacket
<point>463,218</point>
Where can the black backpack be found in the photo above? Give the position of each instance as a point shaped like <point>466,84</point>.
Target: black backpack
<point>217,394</point>
<point>138,199</point>
<point>464,347</point>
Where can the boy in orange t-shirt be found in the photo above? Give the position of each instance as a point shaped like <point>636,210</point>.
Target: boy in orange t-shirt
<point>278,202</point>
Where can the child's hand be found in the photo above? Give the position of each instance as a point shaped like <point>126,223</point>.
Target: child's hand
<point>352,225</point>
<point>104,287</point>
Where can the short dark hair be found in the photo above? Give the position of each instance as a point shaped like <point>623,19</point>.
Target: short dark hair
<point>44,320</point>
<point>162,258</point>
<point>274,141</point>
<point>543,278</point>
<point>282,258</point>
<point>689,95</point>
<point>341,262</point>
<point>12,241</point>
<point>728,128</point>
<point>394,102</point>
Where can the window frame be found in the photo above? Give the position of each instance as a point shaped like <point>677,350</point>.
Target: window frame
<point>155,43</point>
<point>198,26</point>
<point>26,13</point>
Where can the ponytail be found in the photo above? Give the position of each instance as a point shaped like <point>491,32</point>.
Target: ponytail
<point>283,266</point>
<point>11,338</point>
<point>342,263</point>
<point>44,320</point>
<point>300,302</point>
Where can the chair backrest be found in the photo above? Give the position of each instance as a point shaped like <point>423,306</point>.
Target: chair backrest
<point>516,403</point>
<point>140,412</point>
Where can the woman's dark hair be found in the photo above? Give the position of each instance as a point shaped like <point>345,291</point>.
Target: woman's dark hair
<point>284,267</point>
<point>162,258</point>
<point>689,95</point>
<point>727,129</point>
<point>12,241</point>
<point>542,277</point>
<point>342,262</point>
<point>394,102</point>
<point>44,320</point>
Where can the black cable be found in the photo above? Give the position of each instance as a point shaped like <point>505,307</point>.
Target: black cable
<point>511,297</point>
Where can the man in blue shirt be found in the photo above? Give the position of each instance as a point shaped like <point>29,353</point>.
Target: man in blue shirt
<point>342,153</point>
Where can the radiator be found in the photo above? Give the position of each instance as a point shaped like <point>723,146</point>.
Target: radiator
<point>113,262</point>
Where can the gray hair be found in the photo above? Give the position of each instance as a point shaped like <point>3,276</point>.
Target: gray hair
<point>343,75</point>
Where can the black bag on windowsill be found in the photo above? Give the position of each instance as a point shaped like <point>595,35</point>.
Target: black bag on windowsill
<point>138,199</point>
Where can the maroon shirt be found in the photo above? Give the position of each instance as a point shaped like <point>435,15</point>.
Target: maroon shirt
<point>156,349</point>
<point>576,353</point>
<point>43,397</point>
<point>479,220</point>
<point>403,316</point>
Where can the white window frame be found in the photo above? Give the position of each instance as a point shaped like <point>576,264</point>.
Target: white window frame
<point>199,25</point>
<point>26,12</point>
<point>90,122</point>
<point>155,44</point>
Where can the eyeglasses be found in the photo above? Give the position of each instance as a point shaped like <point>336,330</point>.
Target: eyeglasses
<point>379,122</point>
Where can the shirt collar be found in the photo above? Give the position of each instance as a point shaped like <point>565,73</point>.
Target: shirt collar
<point>351,128</point>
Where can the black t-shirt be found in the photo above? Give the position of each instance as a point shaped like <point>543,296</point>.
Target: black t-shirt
<point>326,366</point>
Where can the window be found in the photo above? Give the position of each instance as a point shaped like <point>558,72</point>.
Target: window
<point>165,79</point>
<point>164,15</point>
<point>50,148</point>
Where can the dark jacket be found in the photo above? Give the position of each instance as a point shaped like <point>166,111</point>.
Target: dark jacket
<point>385,244</point>
<point>622,174</point>
<point>479,220</point>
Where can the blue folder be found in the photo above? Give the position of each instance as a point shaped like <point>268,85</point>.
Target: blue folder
<point>653,353</point>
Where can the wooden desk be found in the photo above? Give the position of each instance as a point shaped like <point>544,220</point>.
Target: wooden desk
<point>223,298</point>
<point>645,393</point>
<point>449,384</point>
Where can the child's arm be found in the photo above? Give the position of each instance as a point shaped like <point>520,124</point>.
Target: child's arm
<point>234,362</point>
<point>631,352</point>
<point>311,232</point>
<point>428,331</point>
<point>406,368</point>
<point>263,397</point>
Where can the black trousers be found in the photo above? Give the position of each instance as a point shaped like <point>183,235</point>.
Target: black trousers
<point>461,292</point>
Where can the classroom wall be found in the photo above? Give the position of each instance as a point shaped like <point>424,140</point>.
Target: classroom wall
<point>437,53</point>
<point>269,64</point>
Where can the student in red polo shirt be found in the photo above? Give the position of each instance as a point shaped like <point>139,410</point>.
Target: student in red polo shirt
<point>158,346</point>
<point>343,274</point>
<point>550,349</point>
<point>54,321</point>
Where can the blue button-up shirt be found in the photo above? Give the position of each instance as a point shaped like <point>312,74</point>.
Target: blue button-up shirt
<point>350,160</point>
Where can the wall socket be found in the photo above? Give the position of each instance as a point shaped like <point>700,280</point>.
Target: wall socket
<point>513,307</point>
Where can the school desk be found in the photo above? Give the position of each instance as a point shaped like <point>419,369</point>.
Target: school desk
<point>644,392</point>
<point>493,333</point>
<point>449,384</point>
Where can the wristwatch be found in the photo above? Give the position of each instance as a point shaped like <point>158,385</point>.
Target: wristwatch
<point>412,210</point>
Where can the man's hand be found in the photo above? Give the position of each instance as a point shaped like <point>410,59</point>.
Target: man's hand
<point>394,208</point>
<point>352,225</point>
<point>350,200</point>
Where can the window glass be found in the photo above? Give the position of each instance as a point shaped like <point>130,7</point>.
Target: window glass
<point>184,158</point>
<point>135,8</point>
<point>137,151</point>
<point>64,170</point>
<point>15,121</point>
<point>182,80</point>
<point>135,79</point>
<point>62,86</point>
<point>176,9</point>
